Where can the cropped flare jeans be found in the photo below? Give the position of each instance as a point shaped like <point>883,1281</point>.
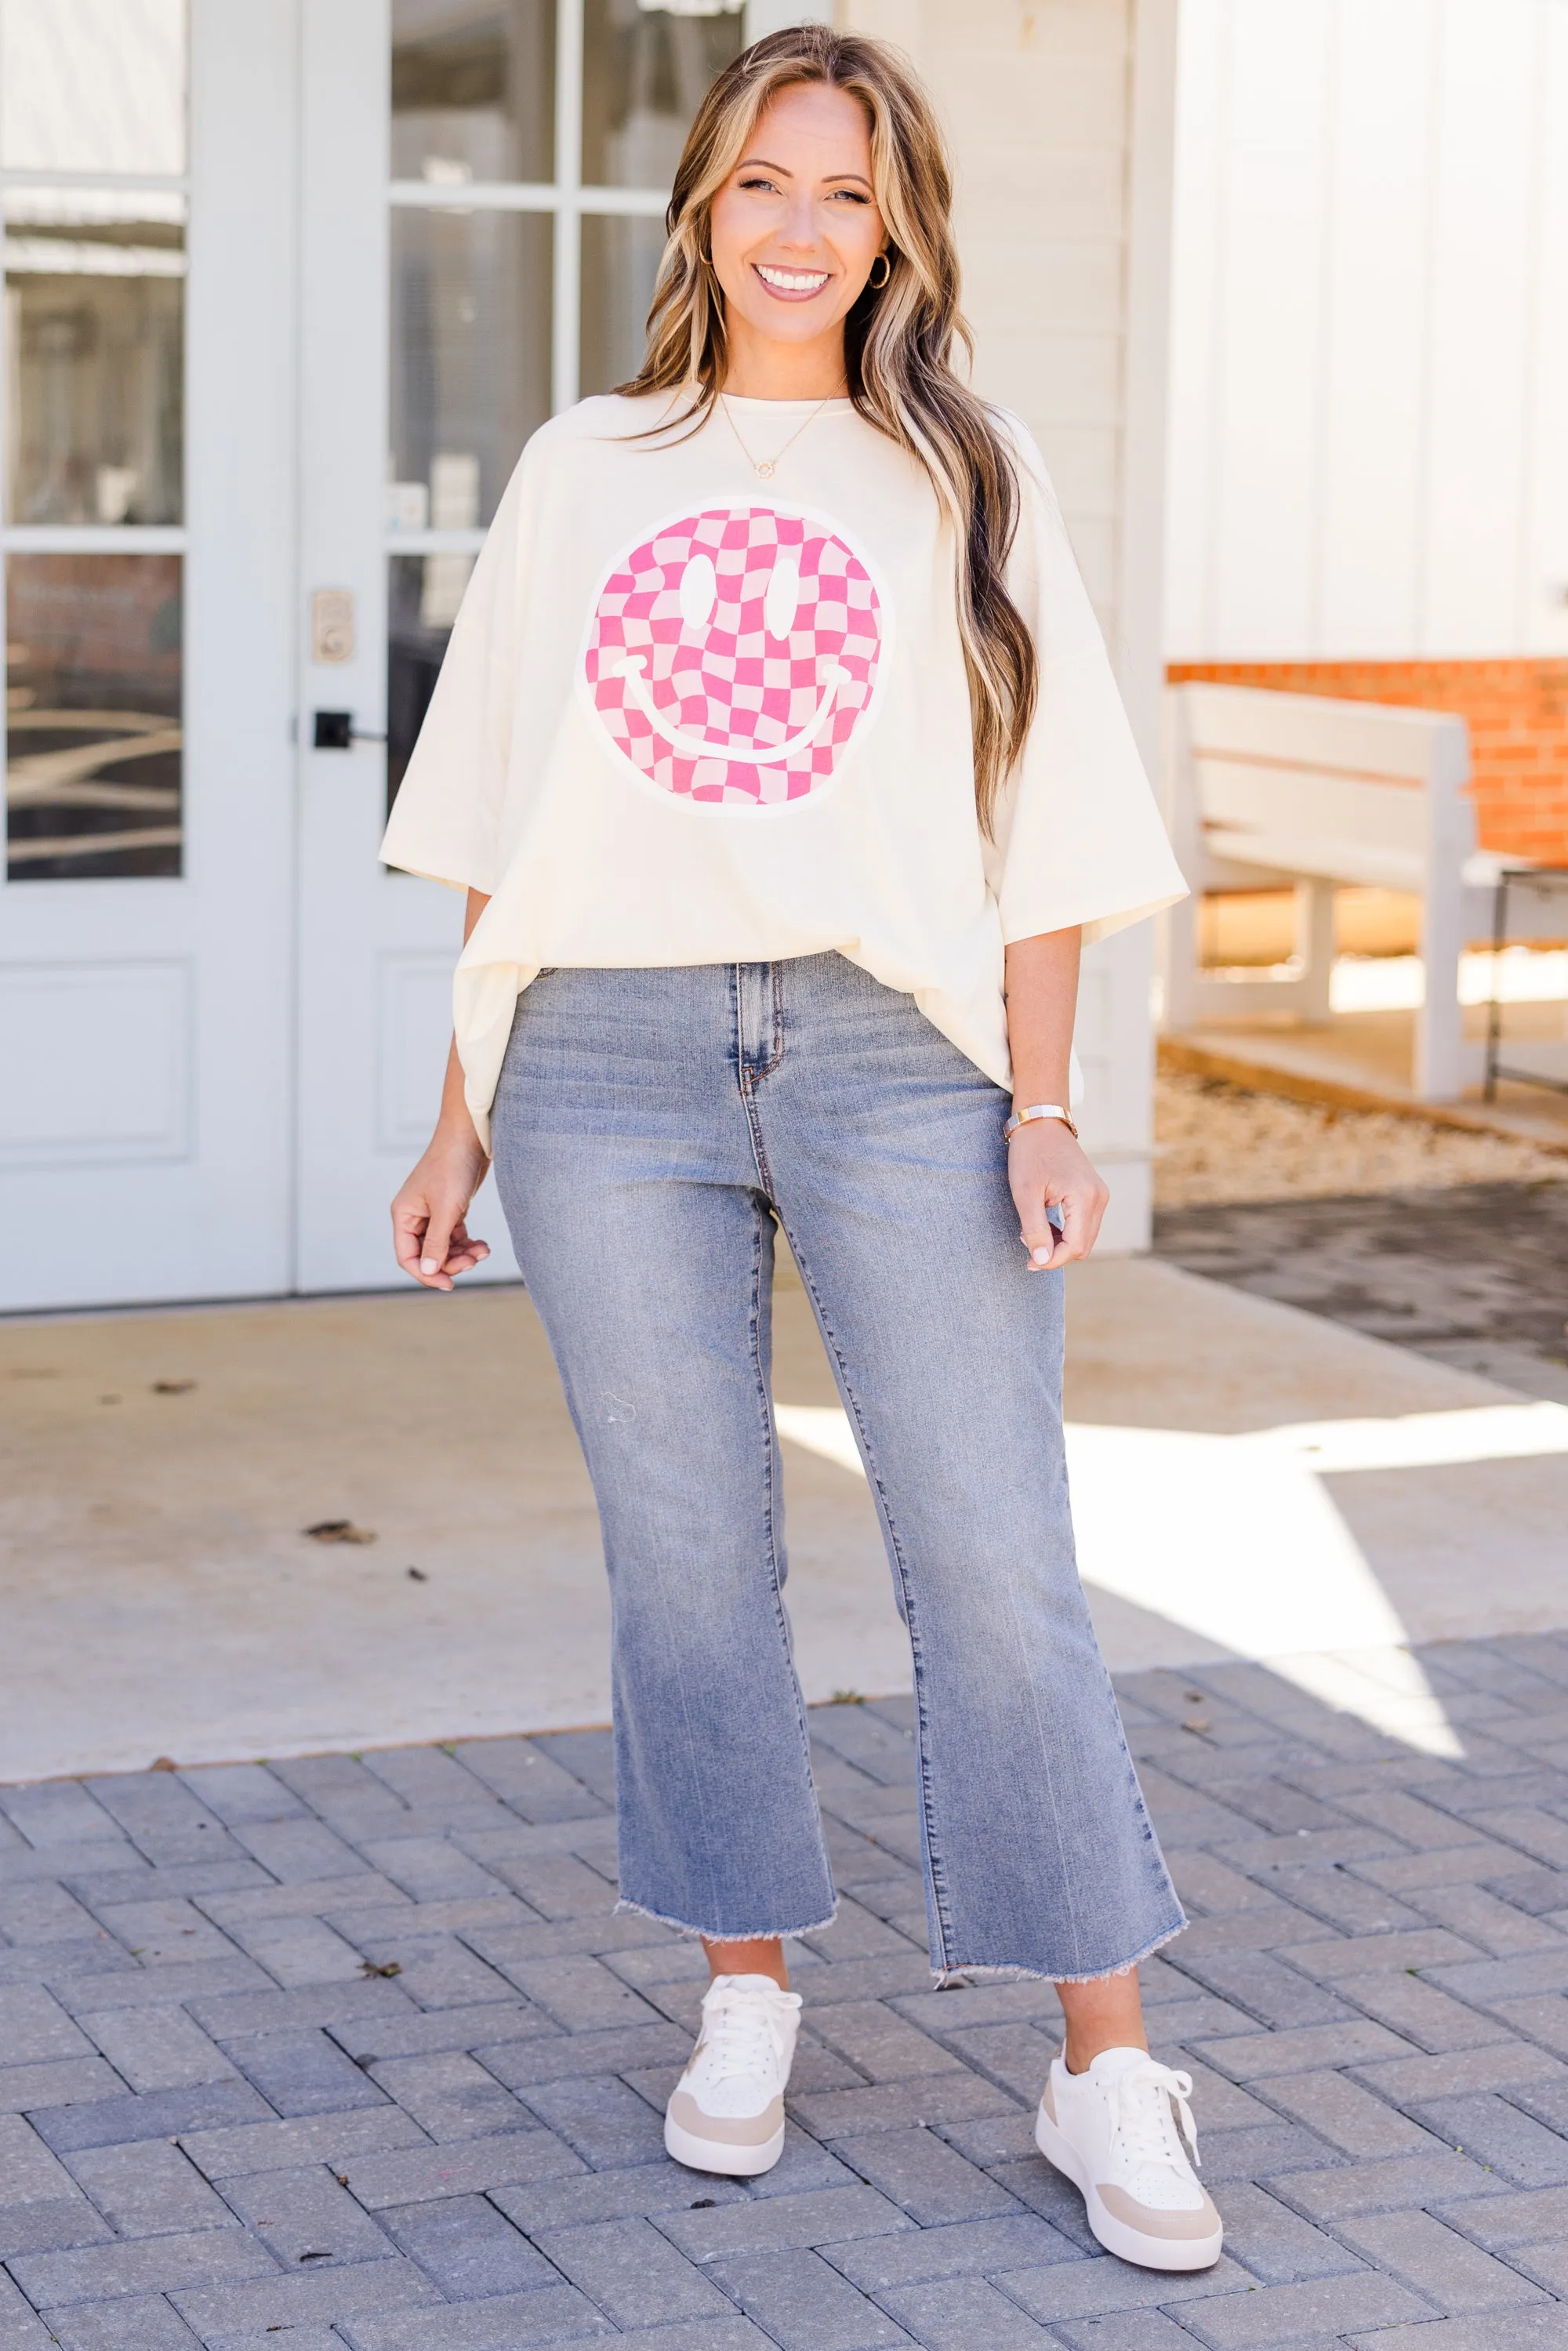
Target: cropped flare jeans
<point>650,1125</point>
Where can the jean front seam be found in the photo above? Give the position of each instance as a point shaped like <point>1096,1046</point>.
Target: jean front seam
<point>747,1072</point>
<point>770,1524</point>
<point>885,1511</point>
<point>754,1128</point>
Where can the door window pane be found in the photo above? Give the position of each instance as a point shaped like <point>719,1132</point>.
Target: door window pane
<point>94,301</point>
<point>473,89</point>
<point>93,695</point>
<point>620,262</point>
<point>644,72</point>
<point>425,592</point>
<point>470,360</point>
<point>92,85</point>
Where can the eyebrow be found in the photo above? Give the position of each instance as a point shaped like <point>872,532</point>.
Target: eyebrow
<point>750,162</point>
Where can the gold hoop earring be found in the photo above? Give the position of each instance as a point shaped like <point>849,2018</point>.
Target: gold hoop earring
<point>872,280</point>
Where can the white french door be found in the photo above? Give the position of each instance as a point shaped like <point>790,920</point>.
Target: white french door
<point>146,908</point>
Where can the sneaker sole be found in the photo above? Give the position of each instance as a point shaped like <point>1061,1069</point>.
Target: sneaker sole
<point>1128,2243</point>
<point>719,2155</point>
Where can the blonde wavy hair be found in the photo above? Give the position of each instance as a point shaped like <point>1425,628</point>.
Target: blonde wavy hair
<point>900,342</point>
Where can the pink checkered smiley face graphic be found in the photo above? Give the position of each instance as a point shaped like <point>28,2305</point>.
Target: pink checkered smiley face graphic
<point>732,655</point>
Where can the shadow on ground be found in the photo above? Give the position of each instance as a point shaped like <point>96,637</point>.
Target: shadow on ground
<point>352,2051</point>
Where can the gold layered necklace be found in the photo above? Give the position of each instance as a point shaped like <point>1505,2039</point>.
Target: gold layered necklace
<point>766,467</point>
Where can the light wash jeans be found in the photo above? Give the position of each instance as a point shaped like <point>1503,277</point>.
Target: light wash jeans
<point>648,1127</point>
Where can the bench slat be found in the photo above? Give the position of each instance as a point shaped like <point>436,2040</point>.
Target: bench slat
<point>1363,737</point>
<point>1313,803</point>
<point>1355,863</point>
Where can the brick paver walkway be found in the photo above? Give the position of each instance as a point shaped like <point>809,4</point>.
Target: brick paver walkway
<point>351,2052</point>
<point>1390,1264</point>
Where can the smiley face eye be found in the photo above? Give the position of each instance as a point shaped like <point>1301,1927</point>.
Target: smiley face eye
<point>783,601</point>
<point>698,592</point>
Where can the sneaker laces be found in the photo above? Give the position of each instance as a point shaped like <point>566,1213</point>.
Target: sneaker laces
<point>738,2035</point>
<point>1150,2110</point>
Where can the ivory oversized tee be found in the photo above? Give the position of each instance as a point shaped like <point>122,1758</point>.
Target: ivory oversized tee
<point>691,714</point>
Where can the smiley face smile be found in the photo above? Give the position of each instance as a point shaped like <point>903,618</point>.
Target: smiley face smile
<point>692,747</point>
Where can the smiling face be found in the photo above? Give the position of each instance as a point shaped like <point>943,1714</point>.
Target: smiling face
<point>732,655</point>
<point>793,233</point>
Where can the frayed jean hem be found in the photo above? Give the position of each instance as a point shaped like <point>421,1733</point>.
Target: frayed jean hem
<point>629,1908</point>
<point>1010,1972</point>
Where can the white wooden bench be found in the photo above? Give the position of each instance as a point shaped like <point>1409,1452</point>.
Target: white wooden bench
<point>1268,791</point>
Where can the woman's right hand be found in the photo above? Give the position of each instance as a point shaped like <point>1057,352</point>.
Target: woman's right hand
<point>429,1232</point>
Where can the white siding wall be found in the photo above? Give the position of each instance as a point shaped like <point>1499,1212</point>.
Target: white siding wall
<point>1060,113</point>
<point>1370,330</point>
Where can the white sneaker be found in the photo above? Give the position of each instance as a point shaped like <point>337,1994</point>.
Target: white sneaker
<point>727,2113</point>
<point>1122,2132</point>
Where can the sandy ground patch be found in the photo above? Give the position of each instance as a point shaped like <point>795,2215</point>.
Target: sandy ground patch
<point>1217,1143</point>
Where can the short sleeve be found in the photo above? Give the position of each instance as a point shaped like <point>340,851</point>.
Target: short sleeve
<point>445,822</point>
<point>1077,837</point>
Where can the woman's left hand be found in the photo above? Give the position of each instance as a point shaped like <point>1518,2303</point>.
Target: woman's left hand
<point>1047,1168</point>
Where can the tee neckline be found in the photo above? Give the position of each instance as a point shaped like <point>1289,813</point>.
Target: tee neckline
<point>747,401</point>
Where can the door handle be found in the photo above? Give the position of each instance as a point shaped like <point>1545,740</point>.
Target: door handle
<point>335,731</point>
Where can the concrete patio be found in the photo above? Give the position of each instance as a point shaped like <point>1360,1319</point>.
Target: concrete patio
<point>1249,1481</point>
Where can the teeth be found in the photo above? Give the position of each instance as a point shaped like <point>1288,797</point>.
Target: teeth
<point>793,281</point>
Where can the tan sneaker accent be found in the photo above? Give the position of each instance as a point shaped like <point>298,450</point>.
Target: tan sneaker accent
<point>731,2130</point>
<point>1151,2222</point>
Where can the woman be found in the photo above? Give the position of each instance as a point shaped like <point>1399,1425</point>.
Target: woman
<point>778,752</point>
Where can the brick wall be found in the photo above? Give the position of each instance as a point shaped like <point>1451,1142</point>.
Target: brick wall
<point>1518,713</point>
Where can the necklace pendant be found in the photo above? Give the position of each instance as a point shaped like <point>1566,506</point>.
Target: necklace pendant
<point>766,467</point>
